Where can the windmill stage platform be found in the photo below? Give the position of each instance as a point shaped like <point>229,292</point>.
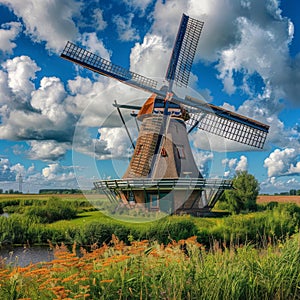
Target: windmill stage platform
<point>175,196</point>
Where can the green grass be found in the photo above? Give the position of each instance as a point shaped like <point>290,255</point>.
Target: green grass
<point>148,270</point>
<point>90,226</point>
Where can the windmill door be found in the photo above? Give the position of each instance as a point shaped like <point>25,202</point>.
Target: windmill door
<point>160,202</point>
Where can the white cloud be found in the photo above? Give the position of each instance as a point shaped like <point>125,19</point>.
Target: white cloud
<point>47,150</point>
<point>139,5</point>
<point>8,33</point>
<point>28,113</point>
<point>98,21</point>
<point>19,169</point>
<point>117,142</point>
<point>278,185</point>
<point>233,165</point>
<point>48,99</point>
<point>260,49</point>
<point>202,159</point>
<point>151,57</point>
<point>20,72</point>
<point>49,21</point>
<point>124,27</point>
<point>242,165</point>
<point>91,42</point>
<point>6,173</point>
<point>57,173</point>
<point>283,162</point>
<point>10,173</point>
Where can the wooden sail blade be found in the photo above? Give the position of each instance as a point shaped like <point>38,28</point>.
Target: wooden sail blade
<point>104,67</point>
<point>184,50</point>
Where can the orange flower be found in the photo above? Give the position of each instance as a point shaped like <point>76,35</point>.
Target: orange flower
<point>106,280</point>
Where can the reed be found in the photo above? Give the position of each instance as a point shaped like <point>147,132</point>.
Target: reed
<point>149,270</point>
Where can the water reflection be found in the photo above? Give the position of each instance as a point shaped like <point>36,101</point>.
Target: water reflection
<point>20,256</point>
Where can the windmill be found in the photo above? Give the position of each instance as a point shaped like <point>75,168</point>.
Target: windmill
<point>162,174</point>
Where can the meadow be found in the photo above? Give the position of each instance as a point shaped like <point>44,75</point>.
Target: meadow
<point>246,256</point>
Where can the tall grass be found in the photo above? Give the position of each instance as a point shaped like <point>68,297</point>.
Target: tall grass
<point>149,270</point>
<point>275,224</point>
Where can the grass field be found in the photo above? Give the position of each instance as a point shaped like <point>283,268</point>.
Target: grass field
<point>246,256</point>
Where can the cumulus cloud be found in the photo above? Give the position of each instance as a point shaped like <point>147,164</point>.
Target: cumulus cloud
<point>47,150</point>
<point>29,113</point>
<point>6,172</point>
<point>279,184</point>
<point>10,172</point>
<point>53,175</point>
<point>49,21</point>
<point>20,72</point>
<point>117,141</point>
<point>55,172</point>
<point>143,56</point>
<point>233,165</point>
<point>283,162</point>
<point>202,159</point>
<point>8,33</point>
<point>91,42</point>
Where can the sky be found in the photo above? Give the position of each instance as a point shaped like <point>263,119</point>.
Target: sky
<point>58,128</point>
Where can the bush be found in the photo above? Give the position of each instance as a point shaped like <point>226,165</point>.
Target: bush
<point>99,233</point>
<point>54,210</point>
<point>170,228</point>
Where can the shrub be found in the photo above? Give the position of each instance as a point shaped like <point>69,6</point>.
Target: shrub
<point>99,233</point>
<point>54,210</point>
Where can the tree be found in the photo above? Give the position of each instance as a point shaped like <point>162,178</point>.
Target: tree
<point>244,194</point>
<point>293,192</point>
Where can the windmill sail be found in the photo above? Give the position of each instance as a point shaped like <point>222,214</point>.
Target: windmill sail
<point>184,50</point>
<point>102,66</point>
<point>228,124</point>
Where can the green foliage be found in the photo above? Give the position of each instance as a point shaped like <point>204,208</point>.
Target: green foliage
<point>168,229</point>
<point>34,221</point>
<point>244,194</point>
<point>55,209</point>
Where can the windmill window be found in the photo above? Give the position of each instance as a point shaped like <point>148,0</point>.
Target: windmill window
<point>154,202</point>
<point>180,151</point>
<point>164,152</point>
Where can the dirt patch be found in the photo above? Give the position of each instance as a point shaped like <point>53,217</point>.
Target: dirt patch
<point>280,198</point>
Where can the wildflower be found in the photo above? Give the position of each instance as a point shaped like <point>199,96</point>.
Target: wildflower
<point>106,280</point>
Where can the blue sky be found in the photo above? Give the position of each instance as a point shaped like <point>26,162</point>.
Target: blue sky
<point>51,111</point>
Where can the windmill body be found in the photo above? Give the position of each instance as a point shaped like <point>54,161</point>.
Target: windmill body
<point>175,159</point>
<point>162,174</point>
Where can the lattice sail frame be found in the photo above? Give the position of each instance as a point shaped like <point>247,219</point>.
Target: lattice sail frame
<point>184,50</point>
<point>102,66</point>
<point>233,130</point>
